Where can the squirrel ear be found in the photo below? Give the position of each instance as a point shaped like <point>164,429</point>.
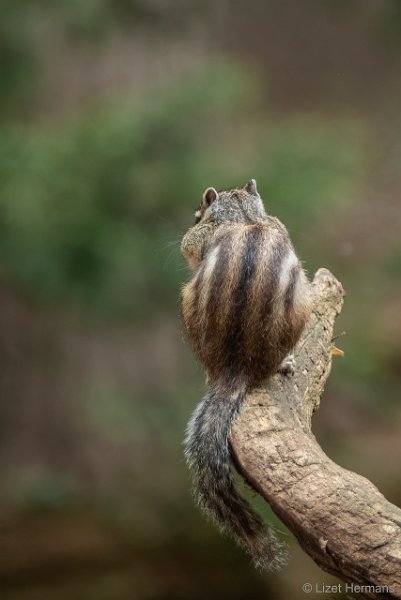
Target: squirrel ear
<point>251,187</point>
<point>209,196</point>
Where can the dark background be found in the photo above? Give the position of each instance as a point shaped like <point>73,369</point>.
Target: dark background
<point>114,117</point>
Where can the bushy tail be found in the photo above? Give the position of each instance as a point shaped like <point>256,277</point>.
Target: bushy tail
<point>207,449</point>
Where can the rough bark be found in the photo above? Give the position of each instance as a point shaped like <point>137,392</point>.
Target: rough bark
<point>340,518</point>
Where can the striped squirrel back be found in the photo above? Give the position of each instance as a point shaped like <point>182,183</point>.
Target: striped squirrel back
<point>244,310</point>
<point>249,299</point>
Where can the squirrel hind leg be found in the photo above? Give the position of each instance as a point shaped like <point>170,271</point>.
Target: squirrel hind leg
<point>287,367</point>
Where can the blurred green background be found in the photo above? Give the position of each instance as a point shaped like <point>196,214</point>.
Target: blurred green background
<point>114,117</point>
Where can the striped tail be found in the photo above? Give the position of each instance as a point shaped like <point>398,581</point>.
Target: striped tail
<point>207,449</point>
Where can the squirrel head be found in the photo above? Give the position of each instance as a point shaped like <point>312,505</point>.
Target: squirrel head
<point>239,205</point>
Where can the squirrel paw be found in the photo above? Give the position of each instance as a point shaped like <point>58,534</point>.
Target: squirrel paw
<point>287,367</point>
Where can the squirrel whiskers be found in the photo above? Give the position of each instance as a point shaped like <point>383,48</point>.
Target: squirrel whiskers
<point>244,310</point>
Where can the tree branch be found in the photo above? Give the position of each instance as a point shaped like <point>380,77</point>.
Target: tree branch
<point>340,518</point>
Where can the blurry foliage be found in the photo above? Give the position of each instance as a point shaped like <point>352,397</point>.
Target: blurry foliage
<point>388,25</point>
<point>36,489</point>
<point>99,18</point>
<point>89,209</point>
<point>84,208</point>
<point>307,166</point>
<point>19,67</point>
<point>25,24</point>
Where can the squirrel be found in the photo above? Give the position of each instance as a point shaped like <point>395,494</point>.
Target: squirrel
<point>243,310</point>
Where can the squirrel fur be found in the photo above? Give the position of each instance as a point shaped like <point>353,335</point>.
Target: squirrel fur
<point>244,310</point>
